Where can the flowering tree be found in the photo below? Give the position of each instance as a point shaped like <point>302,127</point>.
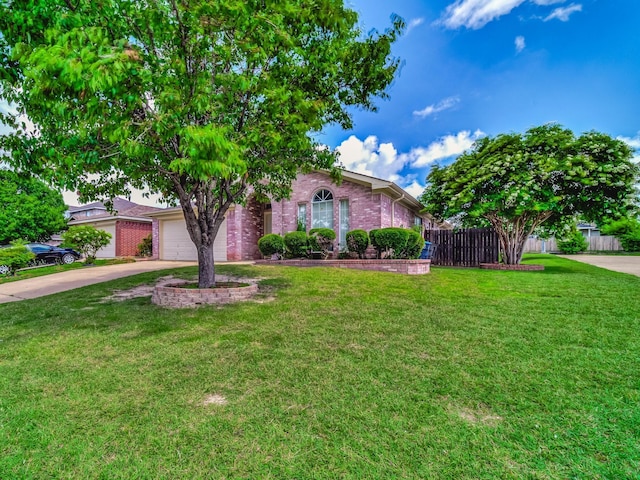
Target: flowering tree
<point>87,240</point>
<point>546,176</point>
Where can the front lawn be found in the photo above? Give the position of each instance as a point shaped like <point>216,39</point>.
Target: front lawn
<point>330,373</point>
<point>41,270</point>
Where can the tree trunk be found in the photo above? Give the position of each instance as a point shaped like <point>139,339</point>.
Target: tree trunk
<point>206,267</point>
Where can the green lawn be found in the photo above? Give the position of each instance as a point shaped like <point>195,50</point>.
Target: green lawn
<point>330,374</point>
<point>56,268</point>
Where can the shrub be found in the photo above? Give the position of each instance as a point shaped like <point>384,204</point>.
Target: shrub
<point>357,242</point>
<point>87,240</point>
<point>374,242</point>
<point>321,239</point>
<point>145,248</point>
<point>391,240</point>
<point>574,242</point>
<point>414,246</point>
<point>631,242</point>
<point>627,230</point>
<point>14,257</point>
<point>271,244</point>
<point>296,244</point>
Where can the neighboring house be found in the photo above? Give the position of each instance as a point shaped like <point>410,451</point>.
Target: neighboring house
<point>359,202</point>
<point>127,224</point>
<point>588,229</point>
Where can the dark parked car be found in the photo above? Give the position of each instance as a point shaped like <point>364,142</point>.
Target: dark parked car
<point>48,254</point>
<point>45,254</point>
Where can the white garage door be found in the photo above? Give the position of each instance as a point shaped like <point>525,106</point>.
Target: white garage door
<point>175,243</point>
<point>110,250</point>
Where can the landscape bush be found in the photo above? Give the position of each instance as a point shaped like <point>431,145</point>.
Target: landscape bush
<point>357,242</point>
<point>390,241</point>
<point>296,244</point>
<point>271,244</point>
<point>14,257</point>
<point>145,248</point>
<point>415,244</point>
<point>321,239</point>
<point>627,230</point>
<point>573,242</point>
<point>87,240</point>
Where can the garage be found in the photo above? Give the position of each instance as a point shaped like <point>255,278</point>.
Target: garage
<point>175,243</point>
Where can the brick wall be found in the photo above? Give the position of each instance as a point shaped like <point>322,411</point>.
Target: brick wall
<point>128,235</point>
<point>245,226</point>
<point>367,210</point>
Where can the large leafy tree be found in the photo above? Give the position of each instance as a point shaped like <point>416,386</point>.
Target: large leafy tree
<point>29,209</point>
<point>544,177</point>
<point>202,101</point>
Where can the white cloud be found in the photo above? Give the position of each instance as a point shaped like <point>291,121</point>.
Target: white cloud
<point>445,104</point>
<point>548,2</point>
<point>413,23</point>
<point>520,43</point>
<point>633,143</point>
<point>415,189</point>
<point>446,147</point>
<point>382,160</point>
<point>563,13</point>
<point>476,14</point>
<point>370,158</point>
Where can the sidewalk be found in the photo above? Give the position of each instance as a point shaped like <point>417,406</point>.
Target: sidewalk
<point>618,263</point>
<point>61,282</point>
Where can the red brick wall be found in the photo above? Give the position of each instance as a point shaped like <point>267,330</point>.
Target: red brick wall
<point>128,235</point>
<point>367,210</point>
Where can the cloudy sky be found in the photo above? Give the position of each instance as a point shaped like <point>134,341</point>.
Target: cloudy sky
<point>484,67</point>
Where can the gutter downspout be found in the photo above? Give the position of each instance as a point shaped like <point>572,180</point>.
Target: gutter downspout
<point>393,209</point>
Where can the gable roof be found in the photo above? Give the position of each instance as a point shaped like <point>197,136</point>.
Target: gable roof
<point>122,209</point>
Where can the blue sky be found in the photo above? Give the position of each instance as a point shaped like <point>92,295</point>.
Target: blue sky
<point>484,67</point>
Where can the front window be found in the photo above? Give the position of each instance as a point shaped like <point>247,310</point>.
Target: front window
<point>322,210</point>
<point>344,223</point>
<point>302,217</point>
<point>417,221</point>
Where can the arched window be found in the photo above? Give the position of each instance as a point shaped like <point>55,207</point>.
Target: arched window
<point>322,210</point>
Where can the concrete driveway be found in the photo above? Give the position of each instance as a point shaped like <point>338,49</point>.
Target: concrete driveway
<point>61,282</point>
<point>618,263</point>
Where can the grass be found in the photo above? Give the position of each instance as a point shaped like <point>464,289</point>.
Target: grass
<point>57,268</point>
<point>331,374</point>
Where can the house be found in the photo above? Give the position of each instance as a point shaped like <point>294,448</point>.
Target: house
<point>359,202</point>
<point>127,224</point>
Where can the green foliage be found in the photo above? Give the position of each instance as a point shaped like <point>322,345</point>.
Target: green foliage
<point>321,239</point>
<point>627,230</point>
<point>145,248</point>
<point>296,244</point>
<point>14,257</point>
<point>271,244</point>
<point>518,182</point>
<point>87,240</point>
<point>391,241</point>
<point>573,242</point>
<point>200,101</point>
<point>28,209</point>
<point>358,242</point>
<point>414,246</point>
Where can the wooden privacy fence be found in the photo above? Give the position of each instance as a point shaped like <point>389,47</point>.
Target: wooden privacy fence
<point>599,243</point>
<point>463,248</point>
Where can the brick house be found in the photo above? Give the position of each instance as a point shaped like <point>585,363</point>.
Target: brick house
<point>359,202</point>
<point>127,224</point>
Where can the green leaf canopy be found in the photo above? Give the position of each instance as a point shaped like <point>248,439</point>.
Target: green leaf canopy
<point>200,101</point>
<point>517,182</point>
